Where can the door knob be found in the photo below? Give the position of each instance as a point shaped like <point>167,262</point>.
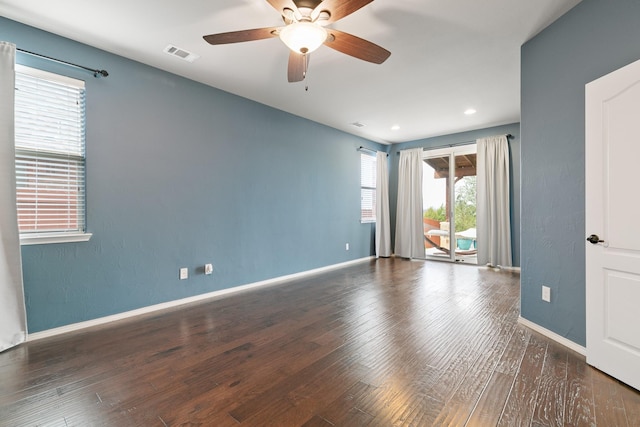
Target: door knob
<point>594,239</point>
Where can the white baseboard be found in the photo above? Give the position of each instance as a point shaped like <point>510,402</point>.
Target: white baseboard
<point>552,335</point>
<point>500,268</point>
<point>170,304</point>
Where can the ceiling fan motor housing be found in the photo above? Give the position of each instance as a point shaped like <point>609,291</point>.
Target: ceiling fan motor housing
<point>310,4</point>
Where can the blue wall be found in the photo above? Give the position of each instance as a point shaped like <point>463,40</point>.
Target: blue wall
<point>453,139</point>
<point>593,39</point>
<point>180,174</point>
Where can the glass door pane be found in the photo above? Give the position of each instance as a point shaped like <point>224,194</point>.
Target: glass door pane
<point>436,196</point>
<point>465,208</point>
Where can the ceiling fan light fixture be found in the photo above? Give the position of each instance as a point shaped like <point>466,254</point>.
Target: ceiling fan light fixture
<point>303,37</point>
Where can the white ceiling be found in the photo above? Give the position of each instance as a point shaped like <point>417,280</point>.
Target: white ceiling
<point>446,56</point>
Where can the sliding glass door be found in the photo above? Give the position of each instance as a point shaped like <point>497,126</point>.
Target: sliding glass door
<point>449,202</point>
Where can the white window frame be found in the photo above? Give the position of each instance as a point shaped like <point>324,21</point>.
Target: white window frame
<point>368,165</point>
<point>58,152</point>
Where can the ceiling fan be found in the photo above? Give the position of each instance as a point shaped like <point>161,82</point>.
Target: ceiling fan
<point>305,31</point>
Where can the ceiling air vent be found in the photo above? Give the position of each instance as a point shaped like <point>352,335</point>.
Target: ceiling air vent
<point>180,53</point>
<point>357,124</point>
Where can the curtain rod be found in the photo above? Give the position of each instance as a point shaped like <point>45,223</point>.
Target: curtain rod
<point>458,144</point>
<point>96,73</point>
<point>361,148</point>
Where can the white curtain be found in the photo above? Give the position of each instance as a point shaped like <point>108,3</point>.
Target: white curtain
<point>13,322</point>
<point>409,228</point>
<point>493,216</point>
<point>383,229</point>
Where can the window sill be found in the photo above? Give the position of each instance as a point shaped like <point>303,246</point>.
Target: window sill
<point>46,238</point>
<point>367,221</point>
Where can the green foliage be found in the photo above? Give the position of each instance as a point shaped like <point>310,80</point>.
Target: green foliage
<point>438,214</point>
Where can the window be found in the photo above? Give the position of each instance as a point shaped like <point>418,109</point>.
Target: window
<point>367,188</point>
<point>50,157</point>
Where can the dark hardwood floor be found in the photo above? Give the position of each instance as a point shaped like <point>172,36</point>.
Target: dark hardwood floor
<point>384,343</point>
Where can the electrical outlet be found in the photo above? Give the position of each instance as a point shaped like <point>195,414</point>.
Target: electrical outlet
<point>208,268</point>
<point>346,247</point>
<point>546,293</point>
<point>184,273</point>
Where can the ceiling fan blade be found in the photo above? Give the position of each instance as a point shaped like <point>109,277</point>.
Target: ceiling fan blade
<point>356,47</point>
<point>242,35</point>
<point>297,68</point>
<point>339,8</point>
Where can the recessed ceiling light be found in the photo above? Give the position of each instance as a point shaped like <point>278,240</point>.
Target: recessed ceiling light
<point>395,127</point>
<point>470,111</point>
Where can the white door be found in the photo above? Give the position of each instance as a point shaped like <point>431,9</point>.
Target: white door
<point>613,218</point>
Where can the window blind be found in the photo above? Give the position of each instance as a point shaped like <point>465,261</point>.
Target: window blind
<point>367,187</point>
<point>50,152</point>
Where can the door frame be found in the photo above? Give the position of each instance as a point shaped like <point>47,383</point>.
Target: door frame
<point>451,151</point>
